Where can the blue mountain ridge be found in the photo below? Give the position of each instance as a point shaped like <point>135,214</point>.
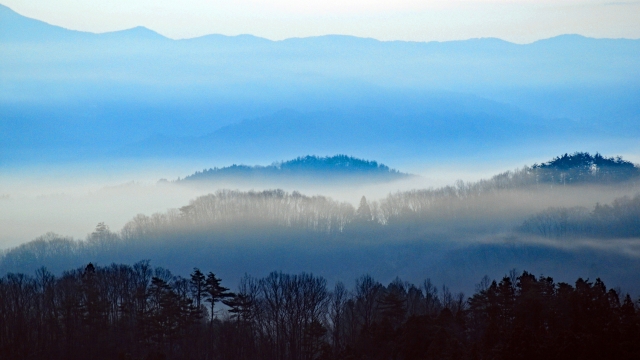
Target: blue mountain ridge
<point>17,28</point>
<point>68,95</point>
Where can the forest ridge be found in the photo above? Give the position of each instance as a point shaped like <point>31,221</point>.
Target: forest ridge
<point>140,312</point>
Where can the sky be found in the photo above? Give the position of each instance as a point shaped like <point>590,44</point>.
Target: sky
<point>519,21</point>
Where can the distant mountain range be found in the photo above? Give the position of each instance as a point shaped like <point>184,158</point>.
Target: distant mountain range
<point>338,167</point>
<point>72,96</point>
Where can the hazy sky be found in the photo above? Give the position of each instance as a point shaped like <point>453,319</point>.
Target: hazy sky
<point>418,20</point>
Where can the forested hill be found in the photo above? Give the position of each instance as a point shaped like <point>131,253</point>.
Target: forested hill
<point>575,169</point>
<point>583,167</point>
<point>338,167</point>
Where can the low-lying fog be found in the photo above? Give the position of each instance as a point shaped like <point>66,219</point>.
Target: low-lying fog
<point>70,200</point>
<point>456,232</point>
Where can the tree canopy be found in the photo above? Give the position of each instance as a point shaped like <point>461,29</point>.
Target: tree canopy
<point>138,312</point>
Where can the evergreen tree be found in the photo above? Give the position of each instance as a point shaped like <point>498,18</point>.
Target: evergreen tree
<point>215,292</point>
<point>198,286</point>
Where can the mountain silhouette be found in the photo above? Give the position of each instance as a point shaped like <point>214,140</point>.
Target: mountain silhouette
<point>72,96</point>
<point>338,167</point>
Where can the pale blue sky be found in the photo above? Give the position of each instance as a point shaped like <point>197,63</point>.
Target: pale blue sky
<point>518,21</point>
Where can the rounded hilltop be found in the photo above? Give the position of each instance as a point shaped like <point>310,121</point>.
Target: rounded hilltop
<point>337,167</point>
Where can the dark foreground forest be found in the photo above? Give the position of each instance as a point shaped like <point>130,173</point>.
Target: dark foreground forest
<point>138,312</point>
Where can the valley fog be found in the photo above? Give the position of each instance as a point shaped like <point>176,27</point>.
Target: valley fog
<point>535,218</point>
<point>72,206</point>
<point>324,197</point>
<point>71,200</point>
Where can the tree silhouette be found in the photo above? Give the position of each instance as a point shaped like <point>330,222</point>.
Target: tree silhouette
<point>92,312</point>
<point>215,292</point>
<point>198,286</point>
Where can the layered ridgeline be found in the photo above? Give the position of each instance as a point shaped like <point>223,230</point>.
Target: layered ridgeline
<point>338,168</point>
<point>68,95</point>
<point>453,232</point>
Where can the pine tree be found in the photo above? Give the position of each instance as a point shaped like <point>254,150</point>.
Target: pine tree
<point>215,291</point>
<point>198,285</point>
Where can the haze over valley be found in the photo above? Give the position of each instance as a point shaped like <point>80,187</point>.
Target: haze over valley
<point>70,96</point>
<point>289,168</point>
<point>98,128</point>
<point>579,207</point>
